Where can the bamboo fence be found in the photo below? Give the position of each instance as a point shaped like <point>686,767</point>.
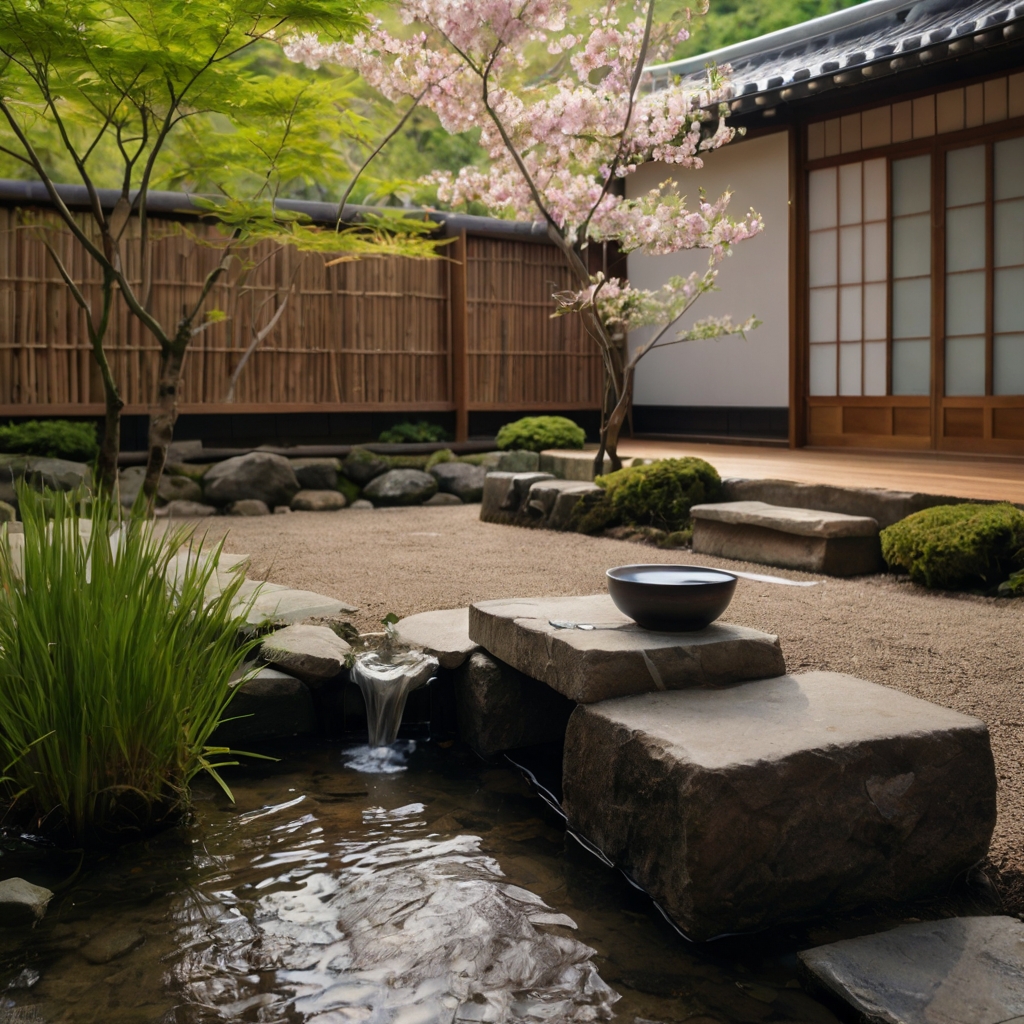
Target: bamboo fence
<point>376,334</point>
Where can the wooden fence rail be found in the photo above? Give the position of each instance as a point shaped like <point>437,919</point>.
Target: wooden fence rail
<point>471,332</point>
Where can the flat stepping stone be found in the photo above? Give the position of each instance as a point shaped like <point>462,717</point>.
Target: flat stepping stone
<point>781,799</point>
<point>444,634</point>
<point>793,538</point>
<point>273,604</point>
<point>313,653</point>
<point>617,657</point>
<point>22,903</point>
<point>966,970</point>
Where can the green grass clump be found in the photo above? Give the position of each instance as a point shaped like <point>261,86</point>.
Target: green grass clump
<point>114,671</point>
<point>421,432</point>
<point>538,433</point>
<point>658,494</point>
<point>51,439</point>
<point>957,547</point>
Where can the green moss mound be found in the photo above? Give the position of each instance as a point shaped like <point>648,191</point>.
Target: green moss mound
<point>957,547</point>
<point>420,432</point>
<point>659,494</point>
<point>51,439</point>
<point>536,433</point>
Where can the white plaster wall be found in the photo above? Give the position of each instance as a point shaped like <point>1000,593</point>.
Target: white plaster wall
<point>753,280</point>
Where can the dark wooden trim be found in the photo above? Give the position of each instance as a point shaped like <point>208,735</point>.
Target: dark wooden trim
<point>529,406</point>
<point>798,288</point>
<point>990,259</point>
<point>1010,128</point>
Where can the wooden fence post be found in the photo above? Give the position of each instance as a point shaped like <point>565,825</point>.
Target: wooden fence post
<point>459,334</point>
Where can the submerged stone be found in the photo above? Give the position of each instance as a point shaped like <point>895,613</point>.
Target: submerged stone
<point>112,944</point>
<point>967,970</point>
<point>616,657</point>
<point>22,903</point>
<point>780,799</point>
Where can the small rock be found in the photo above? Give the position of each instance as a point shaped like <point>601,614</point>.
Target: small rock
<point>361,466</point>
<point>444,634</point>
<point>444,499</point>
<point>22,902</point>
<point>461,479</point>
<point>282,510</point>
<point>183,509</point>
<point>361,503</point>
<point>7,513</point>
<point>401,487</point>
<point>262,475</point>
<point>111,944</point>
<point>248,507</point>
<point>317,474</point>
<point>24,979</point>
<point>169,488</point>
<point>313,653</point>
<point>318,501</point>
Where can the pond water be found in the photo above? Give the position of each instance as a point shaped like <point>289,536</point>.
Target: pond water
<point>443,893</point>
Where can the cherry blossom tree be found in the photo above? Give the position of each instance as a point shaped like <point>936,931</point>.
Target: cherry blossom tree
<point>561,144</point>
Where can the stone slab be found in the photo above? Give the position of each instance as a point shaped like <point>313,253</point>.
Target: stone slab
<point>505,493</point>
<point>967,970</point>
<point>803,522</point>
<point>22,903</point>
<point>500,709</point>
<point>831,556</point>
<point>618,657</point>
<point>572,465</point>
<point>276,604</point>
<point>782,799</point>
<point>884,506</point>
<point>550,502</point>
<point>313,653</point>
<point>444,634</point>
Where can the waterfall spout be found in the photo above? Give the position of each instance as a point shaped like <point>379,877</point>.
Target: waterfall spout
<point>386,681</point>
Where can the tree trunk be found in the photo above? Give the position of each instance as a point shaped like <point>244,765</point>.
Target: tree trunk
<point>106,462</point>
<point>162,418</point>
<point>614,422</point>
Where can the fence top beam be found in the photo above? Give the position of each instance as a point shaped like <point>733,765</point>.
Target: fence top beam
<point>181,205</point>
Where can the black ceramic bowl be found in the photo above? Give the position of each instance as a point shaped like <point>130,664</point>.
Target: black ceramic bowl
<point>671,598</point>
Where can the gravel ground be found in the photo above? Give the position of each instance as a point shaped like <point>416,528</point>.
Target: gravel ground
<point>961,651</point>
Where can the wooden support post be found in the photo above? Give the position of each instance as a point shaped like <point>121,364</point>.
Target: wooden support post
<point>459,334</point>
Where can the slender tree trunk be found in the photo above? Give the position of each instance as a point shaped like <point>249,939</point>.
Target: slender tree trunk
<point>163,416</point>
<point>618,415</point>
<point>106,462</point>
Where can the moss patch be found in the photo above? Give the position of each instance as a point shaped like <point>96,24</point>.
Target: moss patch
<point>537,433</point>
<point>658,494</point>
<point>957,547</point>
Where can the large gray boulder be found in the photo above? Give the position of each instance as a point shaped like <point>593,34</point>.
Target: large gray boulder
<point>965,970</point>
<point>268,705</point>
<point>22,903</point>
<point>500,709</point>
<point>616,656</point>
<point>56,474</point>
<point>317,474</point>
<point>313,653</point>
<point>401,487</point>
<point>461,479</point>
<point>781,799</point>
<point>317,501</point>
<point>261,475</point>
<point>361,466</point>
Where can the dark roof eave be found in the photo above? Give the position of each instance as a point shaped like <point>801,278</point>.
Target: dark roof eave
<point>181,205</point>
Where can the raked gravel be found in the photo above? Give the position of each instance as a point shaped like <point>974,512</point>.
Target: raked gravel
<point>962,651</point>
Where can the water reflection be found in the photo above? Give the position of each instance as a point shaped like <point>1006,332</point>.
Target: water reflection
<point>442,894</point>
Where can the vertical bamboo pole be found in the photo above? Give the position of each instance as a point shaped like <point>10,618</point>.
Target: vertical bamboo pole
<point>459,312</point>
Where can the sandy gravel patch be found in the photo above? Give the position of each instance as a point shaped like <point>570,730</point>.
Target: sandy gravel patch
<point>961,651</point>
